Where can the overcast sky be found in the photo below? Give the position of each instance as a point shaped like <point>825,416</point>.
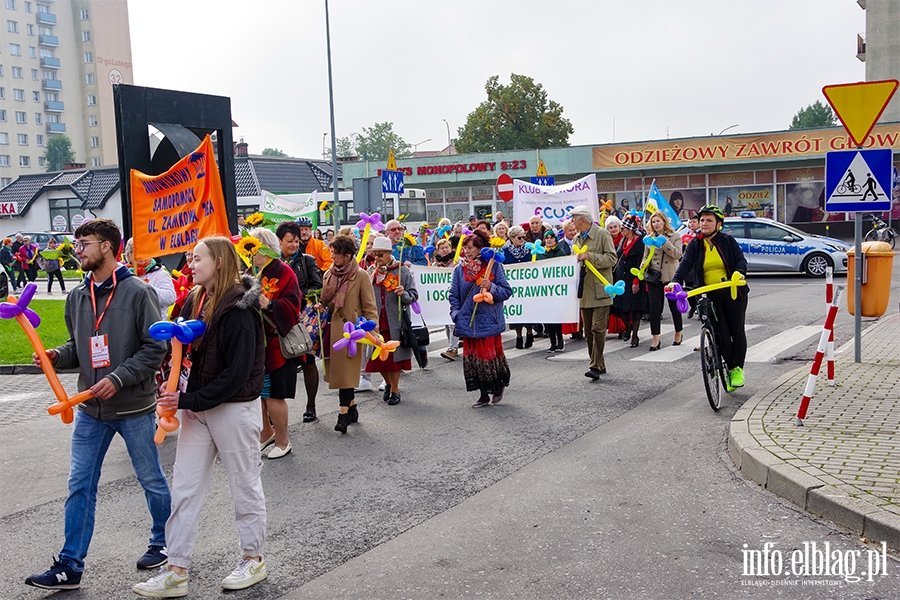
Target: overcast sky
<point>655,68</point>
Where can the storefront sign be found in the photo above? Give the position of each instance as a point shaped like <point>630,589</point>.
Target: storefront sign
<point>8,208</point>
<point>553,203</point>
<point>745,148</point>
<point>721,179</point>
<point>540,288</point>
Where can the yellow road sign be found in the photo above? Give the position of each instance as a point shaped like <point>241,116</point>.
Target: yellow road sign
<point>392,164</point>
<point>858,105</point>
<point>542,170</point>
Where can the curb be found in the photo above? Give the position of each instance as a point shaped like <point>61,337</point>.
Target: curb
<point>800,488</point>
<point>27,370</point>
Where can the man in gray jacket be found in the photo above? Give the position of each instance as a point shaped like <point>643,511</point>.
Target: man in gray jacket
<point>593,299</point>
<point>108,317</point>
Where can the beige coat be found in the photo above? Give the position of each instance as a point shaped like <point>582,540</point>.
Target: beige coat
<point>665,259</point>
<point>342,370</point>
<point>602,254</point>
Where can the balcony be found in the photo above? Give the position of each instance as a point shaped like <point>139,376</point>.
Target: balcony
<point>56,127</point>
<point>46,18</point>
<point>51,106</point>
<point>51,84</point>
<point>861,47</point>
<point>48,40</point>
<point>50,62</point>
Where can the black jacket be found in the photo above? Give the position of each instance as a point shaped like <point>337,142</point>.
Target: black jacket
<point>303,264</point>
<point>695,254</point>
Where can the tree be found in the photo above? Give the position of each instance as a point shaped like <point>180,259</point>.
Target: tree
<point>814,115</point>
<point>374,142</point>
<point>59,152</point>
<point>272,152</point>
<point>514,117</point>
<point>346,146</point>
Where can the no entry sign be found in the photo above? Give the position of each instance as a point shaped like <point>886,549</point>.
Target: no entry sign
<point>505,187</point>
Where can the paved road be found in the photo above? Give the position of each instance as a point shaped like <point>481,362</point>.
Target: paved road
<point>495,499</point>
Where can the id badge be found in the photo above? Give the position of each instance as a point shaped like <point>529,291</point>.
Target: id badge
<point>184,375</point>
<point>99,352</point>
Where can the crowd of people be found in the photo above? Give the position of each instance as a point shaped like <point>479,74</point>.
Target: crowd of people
<point>236,377</point>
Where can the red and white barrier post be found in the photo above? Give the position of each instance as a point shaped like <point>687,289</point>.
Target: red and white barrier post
<point>827,331</point>
<point>829,355</point>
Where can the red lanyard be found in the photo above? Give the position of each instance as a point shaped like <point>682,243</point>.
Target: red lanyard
<point>97,319</point>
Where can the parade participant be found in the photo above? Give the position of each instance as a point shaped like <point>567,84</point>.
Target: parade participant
<point>108,317</point>
<point>593,299</point>
<point>665,261</point>
<point>554,330</point>
<point>154,274</point>
<point>329,236</point>
<point>54,269</point>
<point>694,228</point>
<point>412,255</point>
<point>714,256</point>
<point>279,298</point>
<point>347,292</point>
<point>480,324</point>
<point>443,257</point>
<point>318,235</point>
<point>569,234</point>
<point>614,227</point>
<point>309,277</point>
<point>435,237</point>
<point>484,226</point>
<point>535,229</point>
<point>6,261</point>
<point>18,273</point>
<point>498,217</point>
<point>516,251</point>
<point>395,290</point>
<point>27,257</point>
<point>312,246</point>
<point>632,304</point>
<point>220,417</point>
<point>473,222</point>
<point>501,230</point>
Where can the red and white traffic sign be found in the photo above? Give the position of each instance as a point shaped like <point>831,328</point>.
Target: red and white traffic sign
<point>505,187</point>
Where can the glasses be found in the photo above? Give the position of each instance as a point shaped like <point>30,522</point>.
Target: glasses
<point>79,246</point>
<point>520,237</point>
<point>395,229</point>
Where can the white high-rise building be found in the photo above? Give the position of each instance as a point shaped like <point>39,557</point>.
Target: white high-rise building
<point>879,48</point>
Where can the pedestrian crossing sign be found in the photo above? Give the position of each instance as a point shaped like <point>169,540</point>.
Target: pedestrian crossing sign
<point>858,180</point>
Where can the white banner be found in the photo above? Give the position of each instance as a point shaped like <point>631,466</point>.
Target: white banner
<point>552,203</point>
<point>287,207</point>
<point>544,291</point>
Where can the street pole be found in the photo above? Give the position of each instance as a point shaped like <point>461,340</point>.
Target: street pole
<point>334,181</point>
<point>857,289</point>
<point>449,142</point>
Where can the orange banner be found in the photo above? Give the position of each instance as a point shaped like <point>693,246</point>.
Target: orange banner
<point>784,144</point>
<point>171,212</point>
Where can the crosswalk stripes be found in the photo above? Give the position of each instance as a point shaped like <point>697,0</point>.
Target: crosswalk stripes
<point>766,350</point>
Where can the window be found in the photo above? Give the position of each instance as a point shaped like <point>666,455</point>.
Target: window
<point>39,139</point>
<point>45,30</point>
<point>88,57</point>
<point>53,118</point>
<point>95,142</point>
<point>15,50</point>
<point>84,14</point>
<point>2,93</point>
<point>32,52</point>
<point>46,52</point>
<point>34,75</point>
<point>24,161</point>
<point>92,120</point>
<point>1,70</point>
<point>92,100</point>
<point>4,160</point>
<point>12,26</point>
<point>2,112</point>
<point>20,117</point>
<point>28,7</point>
<point>17,72</point>
<point>29,29</point>
<point>4,138</point>
<point>89,79</point>
<point>11,4</point>
<point>761,231</point>
<point>49,74</point>
<point>36,96</point>
<point>19,95</point>
<point>22,139</point>
<point>42,162</point>
<point>95,162</point>
<point>43,8</point>
<point>85,36</point>
<point>37,118</point>
<point>51,96</point>
<point>5,181</point>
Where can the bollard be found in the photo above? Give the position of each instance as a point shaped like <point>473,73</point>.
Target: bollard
<point>817,361</point>
<point>829,294</point>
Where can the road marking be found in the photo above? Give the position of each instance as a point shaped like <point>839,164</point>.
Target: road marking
<point>673,353</point>
<point>767,350</point>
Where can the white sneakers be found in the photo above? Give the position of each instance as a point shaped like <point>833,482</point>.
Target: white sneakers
<point>365,385</point>
<point>248,572</point>
<point>165,584</point>
<point>168,584</point>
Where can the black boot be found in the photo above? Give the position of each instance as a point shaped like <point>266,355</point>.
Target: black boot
<point>342,422</point>
<point>353,413</point>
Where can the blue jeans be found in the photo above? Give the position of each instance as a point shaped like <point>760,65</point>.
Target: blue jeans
<point>90,441</point>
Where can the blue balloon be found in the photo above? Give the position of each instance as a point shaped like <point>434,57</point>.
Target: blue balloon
<point>184,331</point>
<point>487,254</point>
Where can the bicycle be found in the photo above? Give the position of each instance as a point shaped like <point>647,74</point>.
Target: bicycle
<point>845,187</point>
<point>881,231</point>
<point>711,362</point>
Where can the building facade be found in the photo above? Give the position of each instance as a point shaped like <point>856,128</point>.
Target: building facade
<point>58,63</point>
<point>880,47</point>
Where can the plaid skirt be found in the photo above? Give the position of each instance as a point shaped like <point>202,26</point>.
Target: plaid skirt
<point>484,365</point>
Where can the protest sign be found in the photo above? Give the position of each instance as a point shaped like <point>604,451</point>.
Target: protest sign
<point>172,211</point>
<point>288,207</point>
<point>545,291</point>
<point>553,203</point>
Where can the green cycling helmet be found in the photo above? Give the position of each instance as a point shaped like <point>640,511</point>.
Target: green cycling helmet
<point>713,210</point>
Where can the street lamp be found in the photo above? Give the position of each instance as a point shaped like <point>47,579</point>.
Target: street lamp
<point>729,127</point>
<point>449,143</point>
<point>334,170</point>
<point>416,146</point>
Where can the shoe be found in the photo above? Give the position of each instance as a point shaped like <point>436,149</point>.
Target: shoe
<point>483,401</point>
<point>560,346</point>
<point>59,577</point>
<point>728,387</point>
<point>551,350</point>
<point>386,395</point>
<point>394,400</point>
<point>382,386</point>
<point>635,343</point>
<point>520,343</point>
<point>691,312</point>
<point>424,364</point>
<point>165,584</point>
<point>154,557</point>
<point>449,354</point>
<point>353,413</point>
<point>653,348</point>
<point>277,452</point>
<point>593,374</point>
<point>736,377</point>
<point>248,572</point>
<point>676,343</point>
<point>365,385</point>
<point>49,293</point>
<point>342,422</point>
<point>498,397</point>
<point>529,340</point>
<point>267,443</point>
<point>309,416</point>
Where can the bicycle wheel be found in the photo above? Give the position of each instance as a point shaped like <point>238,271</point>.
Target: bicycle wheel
<point>710,364</point>
<point>871,236</point>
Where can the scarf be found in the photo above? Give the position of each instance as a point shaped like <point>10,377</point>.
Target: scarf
<point>473,269</point>
<point>142,268</point>
<point>387,276</point>
<point>335,287</point>
<point>519,253</point>
<point>444,261</point>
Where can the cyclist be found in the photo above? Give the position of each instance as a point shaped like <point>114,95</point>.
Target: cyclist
<point>712,257</point>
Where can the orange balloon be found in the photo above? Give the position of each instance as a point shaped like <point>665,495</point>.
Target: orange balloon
<point>68,416</point>
<point>167,419</point>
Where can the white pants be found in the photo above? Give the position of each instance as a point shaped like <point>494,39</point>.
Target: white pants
<point>230,430</point>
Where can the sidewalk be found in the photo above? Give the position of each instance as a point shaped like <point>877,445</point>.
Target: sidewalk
<point>844,462</point>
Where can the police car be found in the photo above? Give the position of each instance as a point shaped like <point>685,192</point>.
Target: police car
<point>772,246</point>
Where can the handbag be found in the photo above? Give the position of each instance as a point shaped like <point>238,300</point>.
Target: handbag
<point>652,276</point>
<point>314,323</point>
<point>297,341</point>
<point>413,336</point>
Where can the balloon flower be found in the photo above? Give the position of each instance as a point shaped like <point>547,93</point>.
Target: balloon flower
<point>736,281</point>
<point>679,296</point>
<point>28,319</point>
<point>443,231</point>
<point>613,290</point>
<point>605,207</point>
<point>636,213</point>
<point>687,237</point>
<point>366,224</point>
<point>180,332</point>
<point>352,335</point>
<point>536,248</point>
<point>372,338</point>
<point>654,243</point>
<point>489,255</point>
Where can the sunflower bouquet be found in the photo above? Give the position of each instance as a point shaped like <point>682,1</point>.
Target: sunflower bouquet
<point>327,208</point>
<point>249,246</point>
<point>256,219</point>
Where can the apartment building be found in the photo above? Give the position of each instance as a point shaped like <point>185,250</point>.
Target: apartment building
<point>58,63</point>
<point>879,48</point>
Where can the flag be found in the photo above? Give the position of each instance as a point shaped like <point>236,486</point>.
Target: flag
<point>287,207</point>
<point>656,201</point>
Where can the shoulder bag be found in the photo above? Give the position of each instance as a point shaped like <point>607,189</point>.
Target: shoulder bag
<point>297,341</point>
